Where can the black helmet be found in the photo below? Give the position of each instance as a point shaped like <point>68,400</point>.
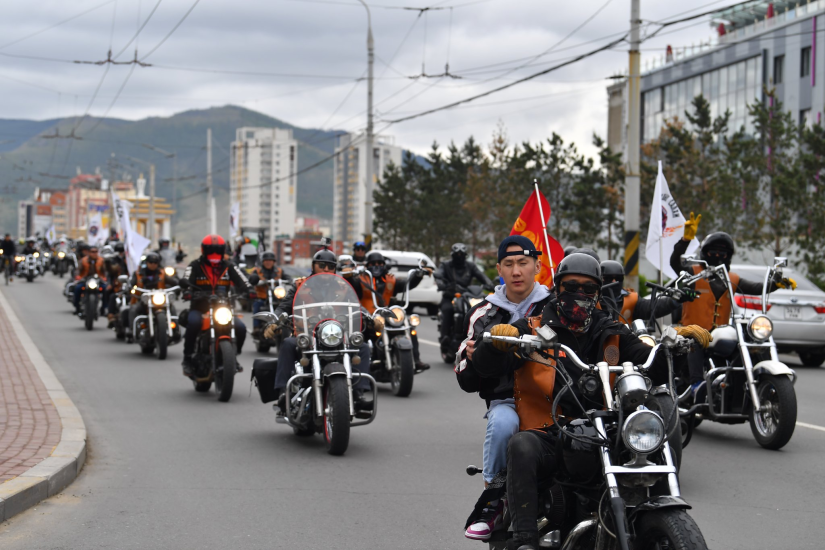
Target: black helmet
<point>325,256</point>
<point>153,258</point>
<point>376,264</point>
<point>570,249</point>
<point>579,263</point>
<point>612,269</point>
<point>458,252</point>
<point>268,256</point>
<point>719,241</point>
<point>119,247</point>
<point>590,252</point>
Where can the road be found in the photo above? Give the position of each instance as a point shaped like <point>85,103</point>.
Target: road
<point>171,469</point>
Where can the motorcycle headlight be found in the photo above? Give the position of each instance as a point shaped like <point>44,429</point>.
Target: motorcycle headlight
<point>303,341</point>
<point>760,328</point>
<point>332,334</point>
<point>648,339</point>
<point>222,316</point>
<point>280,292</point>
<point>170,271</point>
<point>415,320</point>
<point>92,284</point>
<point>18,258</point>
<point>61,254</point>
<point>643,432</point>
<point>356,339</point>
<point>475,301</point>
<point>36,254</point>
<point>159,299</point>
<point>45,254</point>
<point>397,316</point>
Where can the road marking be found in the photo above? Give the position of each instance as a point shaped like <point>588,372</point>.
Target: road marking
<point>429,342</point>
<point>811,426</point>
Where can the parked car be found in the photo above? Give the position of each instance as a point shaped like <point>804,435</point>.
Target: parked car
<point>798,315</point>
<point>425,295</point>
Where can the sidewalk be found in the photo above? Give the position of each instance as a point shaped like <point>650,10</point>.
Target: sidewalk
<point>29,424</point>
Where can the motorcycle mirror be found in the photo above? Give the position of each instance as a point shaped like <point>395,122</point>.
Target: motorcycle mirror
<point>639,327</point>
<point>780,262</point>
<point>690,259</point>
<point>264,316</point>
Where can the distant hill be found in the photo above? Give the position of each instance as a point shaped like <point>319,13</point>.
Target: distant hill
<point>28,160</point>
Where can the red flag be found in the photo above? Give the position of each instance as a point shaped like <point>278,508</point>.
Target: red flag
<point>529,224</point>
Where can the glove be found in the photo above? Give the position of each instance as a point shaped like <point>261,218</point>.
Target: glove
<point>686,295</point>
<point>785,283</point>
<point>271,331</point>
<point>702,337</point>
<point>504,330</point>
<point>691,226</point>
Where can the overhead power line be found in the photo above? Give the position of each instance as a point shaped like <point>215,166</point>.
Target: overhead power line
<point>140,29</point>
<point>179,23</point>
<point>72,18</point>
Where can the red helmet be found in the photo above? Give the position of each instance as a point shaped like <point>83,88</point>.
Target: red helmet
<point>213,247</point>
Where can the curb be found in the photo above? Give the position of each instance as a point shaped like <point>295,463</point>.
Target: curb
<point>57,471</point>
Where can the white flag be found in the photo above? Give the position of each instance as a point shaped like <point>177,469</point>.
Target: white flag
<point>667,226</point>
<point>234,218</point>
<point>51,235</point>
<point>96,234</point>
<point>135,245</point>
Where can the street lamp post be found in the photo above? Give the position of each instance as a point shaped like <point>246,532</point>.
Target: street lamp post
<point>174,157</point>
<point>370,129</point>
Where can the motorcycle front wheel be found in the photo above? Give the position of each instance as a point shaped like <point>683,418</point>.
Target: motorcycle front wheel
<point>225,380</point>
<point>402,373</point>
<point>91,308</point>
<point>671,529</point>
<point>161,335</point>
<point>336,415</point>
<point>773,427</point>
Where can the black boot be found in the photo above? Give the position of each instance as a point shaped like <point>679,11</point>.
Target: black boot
<point>187,366</point>
<point>281,403</point>
<point>421,366</point>
<point>524,541</point>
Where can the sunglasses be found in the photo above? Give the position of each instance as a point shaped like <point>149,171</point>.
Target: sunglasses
<point>717,254</point>
<point>587,288</point>
<point>608,280</point>
<point>326,267</point>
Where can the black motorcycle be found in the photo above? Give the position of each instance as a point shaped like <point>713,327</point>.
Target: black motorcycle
<point>617,485</point>
<point>91,297</point>
<point>60,262</point>
<point>122,299</point>
<point>465,299</point>
<point>275,292</point>
<point>158,329</point>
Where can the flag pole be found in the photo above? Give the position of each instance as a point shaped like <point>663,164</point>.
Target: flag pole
<point>544,230</point>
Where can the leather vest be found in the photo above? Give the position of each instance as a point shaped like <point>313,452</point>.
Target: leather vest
<point>384,298</point>
<point>535,381</point>
<point>706,311</point>
<point>628,307</point>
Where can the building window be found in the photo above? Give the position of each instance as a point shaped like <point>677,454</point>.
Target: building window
<point>778,69</point>
<point>805,62</point>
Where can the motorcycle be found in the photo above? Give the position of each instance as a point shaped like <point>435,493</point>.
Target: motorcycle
<point>27,266</point>
<point>736,389</point>
<point>215,359</point>
<point>393,358</point>
<point>617,485</point>
<point>275,292</point>
<point>465,299</point>
<point>60,265</point>
<point>43,262</point>
<point>157,329</point>
<point>122,307</point>
<point>91,297</point>
<point>327,324</point>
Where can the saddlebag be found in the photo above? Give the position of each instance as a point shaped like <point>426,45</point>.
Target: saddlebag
<point>263,372</point>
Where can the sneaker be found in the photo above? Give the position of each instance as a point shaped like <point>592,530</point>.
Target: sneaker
<point>187,366</point>
<point>489,520</point>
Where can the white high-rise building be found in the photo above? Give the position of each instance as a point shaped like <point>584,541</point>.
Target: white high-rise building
<point>350,182</point>
<point>262,178</point>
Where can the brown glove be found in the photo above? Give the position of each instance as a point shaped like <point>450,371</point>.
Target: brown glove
<point>696,332</point>
<point>504,330</point>
<point>271,331</point>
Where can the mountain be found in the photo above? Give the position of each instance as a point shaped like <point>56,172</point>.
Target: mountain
<point>29,158</point>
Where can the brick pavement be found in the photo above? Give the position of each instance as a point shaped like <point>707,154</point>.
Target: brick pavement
<point>29,425</point>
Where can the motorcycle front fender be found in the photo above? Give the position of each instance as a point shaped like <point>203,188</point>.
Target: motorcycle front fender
<point>402,343</point>
<point>659,503</point>
<point>334,369</point>
<point>774,368</point>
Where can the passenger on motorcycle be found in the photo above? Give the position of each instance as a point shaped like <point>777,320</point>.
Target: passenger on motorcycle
<point>323,261</point>
<point>9,250</point>
<point>89,265</point>
<point>386,287</point>
<point>209,273</point>
<point>258,279</point>
<point>150,277</point>
<point>572,314</point>
<point>712,307</point>
<point>519,297</point>
<point>624,304</point>
<point>452,273</point>
<point>359,252</point>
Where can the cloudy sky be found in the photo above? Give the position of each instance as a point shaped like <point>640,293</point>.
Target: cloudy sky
<point>301,61</point>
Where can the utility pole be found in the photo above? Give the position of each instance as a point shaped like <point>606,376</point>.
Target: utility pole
<point>152,204</point>
<point>209,209</point>
<point>370,137</point>
<point>631,182</point>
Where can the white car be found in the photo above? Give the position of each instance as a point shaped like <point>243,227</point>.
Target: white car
<point>798,315</point>
<point>426,294</point>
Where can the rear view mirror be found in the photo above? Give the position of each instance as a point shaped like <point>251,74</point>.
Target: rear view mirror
<point>639,327</point>
<point>689,260</point>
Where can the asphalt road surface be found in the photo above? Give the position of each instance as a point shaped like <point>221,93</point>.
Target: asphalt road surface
<point>171,469</point>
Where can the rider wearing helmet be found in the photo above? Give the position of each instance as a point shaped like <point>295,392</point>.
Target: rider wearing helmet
<point>89,265</point>
<point>323,262</point>
<point>359,252</point>
<point>624,304</point>
<point>259,279</point>
<point>167,255</point>
<point>211,274</point>
<point>150,277</point>
<point>30,247</point>
<point>455,272</point>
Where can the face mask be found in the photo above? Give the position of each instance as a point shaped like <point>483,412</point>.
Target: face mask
<point>575,310</point>
<point>376,270</point>
<point>214,259</point>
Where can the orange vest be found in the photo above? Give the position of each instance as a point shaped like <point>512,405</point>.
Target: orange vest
<point>261,290</point>
<point>139,283</point>
<point>384,298</point>
<point>628,307</point>
<point>534,382</point>
<point>706,311</point>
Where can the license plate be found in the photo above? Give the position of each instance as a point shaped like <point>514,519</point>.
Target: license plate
<point>793,312</point>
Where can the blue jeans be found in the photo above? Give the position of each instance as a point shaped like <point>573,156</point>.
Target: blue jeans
<point>257,306</point>
<point>502,424</point>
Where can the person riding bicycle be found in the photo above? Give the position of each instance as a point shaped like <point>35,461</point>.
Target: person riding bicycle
<point>9,250</point>
<point>89,265</point>
<point>150,277</point>
<point>451,274</point>
<point>258,279</point>
<point>210,274</point>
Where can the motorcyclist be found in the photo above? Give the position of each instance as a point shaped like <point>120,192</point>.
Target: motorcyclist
<point>323,261</point>
<point>712,307</point>
<point>30,247</point>
<point>595,337</point>
<point>520,296</point>
<point>9,250</point>
<point>209,273</point>
<point>150,277</point>
<point>453,273</point>
<point>386,287</point>
<point>258,278</point>
<point>89,265</point>
<point>624,304</point>
<point>167,255</point>
<point>359,252</point>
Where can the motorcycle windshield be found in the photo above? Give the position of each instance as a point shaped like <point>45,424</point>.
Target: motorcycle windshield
<point>322,297</point>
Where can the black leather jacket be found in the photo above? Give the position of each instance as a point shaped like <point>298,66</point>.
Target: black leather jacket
<point>450,274</point>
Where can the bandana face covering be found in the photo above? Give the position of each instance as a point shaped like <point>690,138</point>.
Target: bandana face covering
<point>575,310</point>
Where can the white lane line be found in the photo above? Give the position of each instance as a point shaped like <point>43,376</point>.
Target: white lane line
<point>811,426</point>
<point>429,342</point>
